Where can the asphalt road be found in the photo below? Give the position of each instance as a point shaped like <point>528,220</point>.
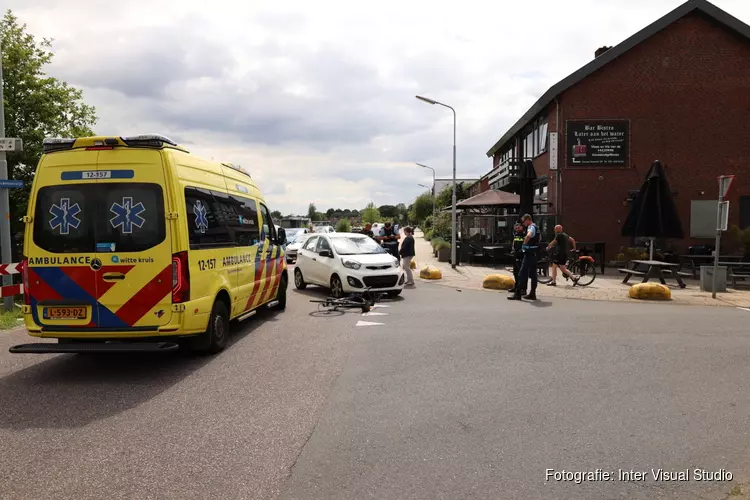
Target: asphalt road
<point>449,395</point>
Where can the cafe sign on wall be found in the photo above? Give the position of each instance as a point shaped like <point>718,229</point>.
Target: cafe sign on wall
<point>598,142</point>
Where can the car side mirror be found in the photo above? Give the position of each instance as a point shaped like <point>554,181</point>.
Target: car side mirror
<point>281,235</point>
<point>326,253</point>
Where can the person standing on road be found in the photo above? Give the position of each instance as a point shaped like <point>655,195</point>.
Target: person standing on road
<point>407,253</point>
<point>561,244</point>
<point>530,248</point>
<point>519,233</point>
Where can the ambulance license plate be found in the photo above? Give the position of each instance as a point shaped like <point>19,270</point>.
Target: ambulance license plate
<point>64,313</point>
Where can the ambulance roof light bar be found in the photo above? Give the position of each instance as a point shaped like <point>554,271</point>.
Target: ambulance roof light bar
<point>153,140</point>
<point>50,144</point>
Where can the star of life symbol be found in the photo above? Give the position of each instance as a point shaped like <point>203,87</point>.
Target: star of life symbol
<point>65,216</point>
<point>201,222</point>
<point>127,215</point>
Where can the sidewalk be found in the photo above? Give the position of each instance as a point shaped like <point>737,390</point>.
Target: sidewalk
<point>608,286</point>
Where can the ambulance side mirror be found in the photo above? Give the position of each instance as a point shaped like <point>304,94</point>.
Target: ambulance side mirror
<point>281,236</point>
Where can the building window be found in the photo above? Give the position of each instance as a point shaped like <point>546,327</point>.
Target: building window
<point>528,145</point>
<point>744,212</point>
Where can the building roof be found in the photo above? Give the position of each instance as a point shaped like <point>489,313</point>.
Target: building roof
<point>688,7</point>
<point>493,198</point>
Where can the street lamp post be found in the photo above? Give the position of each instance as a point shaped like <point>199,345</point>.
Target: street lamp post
<point>433,186</point>
<point>453,207</point>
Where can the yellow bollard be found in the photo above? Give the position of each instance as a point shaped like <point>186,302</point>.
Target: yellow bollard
<point>413,265</point>
<point>430,273</point>
<point>650,291</point>
<point>498,282</point>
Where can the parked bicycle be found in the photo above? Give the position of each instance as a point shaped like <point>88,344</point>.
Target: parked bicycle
<point>582,266</point>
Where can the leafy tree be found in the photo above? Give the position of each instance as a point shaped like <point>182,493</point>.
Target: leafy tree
<point>421,209</point>
<point>312,212</point>
<point>445,198</point>
<point>388,211</point>
<point>330,212</point>
<point>441,225</point>
<point>371,214</point>
<point>343,226</point>
<point>276,215</point>
<point>36,106</point>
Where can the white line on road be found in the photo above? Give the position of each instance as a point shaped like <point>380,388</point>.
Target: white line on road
<point>374,314</point>
<point>744,309</point>
<point>378,305</point>
<point>368,323</point>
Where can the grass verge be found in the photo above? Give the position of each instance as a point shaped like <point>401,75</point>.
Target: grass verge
<point>9,320</point>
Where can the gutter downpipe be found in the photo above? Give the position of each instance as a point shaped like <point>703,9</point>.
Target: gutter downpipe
<point>559,166</point>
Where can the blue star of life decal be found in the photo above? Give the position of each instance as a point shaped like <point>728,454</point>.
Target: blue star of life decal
<point>201,222</point>
<point>65,216</point>
<point>127,215</point>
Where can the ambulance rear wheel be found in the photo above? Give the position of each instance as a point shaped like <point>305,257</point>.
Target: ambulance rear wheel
<point>215,339</point>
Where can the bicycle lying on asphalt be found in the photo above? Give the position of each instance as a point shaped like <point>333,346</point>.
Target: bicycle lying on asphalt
<point>582,266</point>
<point>364,301</point>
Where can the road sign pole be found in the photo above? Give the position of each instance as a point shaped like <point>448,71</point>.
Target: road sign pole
<point>6,255</point>
<point>725,181</point>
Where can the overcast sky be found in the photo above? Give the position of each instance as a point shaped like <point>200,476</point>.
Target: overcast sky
<point>316,99</point>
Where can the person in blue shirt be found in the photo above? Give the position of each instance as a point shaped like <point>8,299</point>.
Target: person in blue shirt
<point>528,271</point>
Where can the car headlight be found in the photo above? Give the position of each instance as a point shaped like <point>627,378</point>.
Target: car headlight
<point>351,264</point>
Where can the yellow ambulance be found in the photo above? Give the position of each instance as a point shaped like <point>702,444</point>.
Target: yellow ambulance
<point>134,244</point>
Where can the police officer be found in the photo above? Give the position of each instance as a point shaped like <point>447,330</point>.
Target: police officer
<point>519,233</point>
<point>530,249</point>
<point>389,239</point>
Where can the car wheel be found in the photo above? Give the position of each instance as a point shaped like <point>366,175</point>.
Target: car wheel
<point>337,288</point>
<point>394,293</point>
<point>299,281</point>
<point>281,294</point>
<point>216,336</point>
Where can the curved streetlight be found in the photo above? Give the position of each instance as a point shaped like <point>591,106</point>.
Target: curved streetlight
<point>433,186</point>
<point>453,207</point>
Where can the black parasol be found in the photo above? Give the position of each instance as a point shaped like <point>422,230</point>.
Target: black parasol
<point>653,214</point>
<point>526,177</point>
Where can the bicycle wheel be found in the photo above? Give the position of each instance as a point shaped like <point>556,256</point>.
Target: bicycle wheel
<point>586,272</point>
<point>543,272</point>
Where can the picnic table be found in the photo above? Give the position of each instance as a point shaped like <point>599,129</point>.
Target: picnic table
<point>653,269</point>
<point>737,271</point>
<point>709,259</point>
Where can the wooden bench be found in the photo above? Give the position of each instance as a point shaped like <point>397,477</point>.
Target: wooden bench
<point>679,273</point>
<point>738,276</point>
<point>630,271</point>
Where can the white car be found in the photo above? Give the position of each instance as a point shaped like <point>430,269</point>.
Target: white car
<point>324,229</point>
<point>292,248</point>
<point>347,263</point>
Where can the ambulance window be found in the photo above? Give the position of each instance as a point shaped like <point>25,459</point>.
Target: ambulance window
<point>134,220</point>
<point>64,218</point>
<point>245,225</point>
<point>206,220</point>
<point>269,231</point>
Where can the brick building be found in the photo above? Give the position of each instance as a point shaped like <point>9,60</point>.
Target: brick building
<point>677,91</point>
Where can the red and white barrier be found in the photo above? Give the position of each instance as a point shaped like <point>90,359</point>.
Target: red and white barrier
<point>10,290</point>
<point>6,269</point>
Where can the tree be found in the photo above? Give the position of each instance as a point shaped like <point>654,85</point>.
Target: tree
<point>36,106</point>
<point>276,215</point>
<point>388,211</point>
<point>343,226</point>
<point>445,198</point>
<point>330,212</point>
<point>421,209</point>
<point>312,212</point>
<point>370,214</point>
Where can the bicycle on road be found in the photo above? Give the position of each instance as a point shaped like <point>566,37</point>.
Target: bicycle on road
<point>582,266</point>
<point>363,301</point>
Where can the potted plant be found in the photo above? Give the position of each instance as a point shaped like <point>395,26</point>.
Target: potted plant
<point>443,251</point>
<point>619,261</point>
<point>435,242</point>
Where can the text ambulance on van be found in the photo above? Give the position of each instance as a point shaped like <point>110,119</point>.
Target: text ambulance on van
<point>136,239</point>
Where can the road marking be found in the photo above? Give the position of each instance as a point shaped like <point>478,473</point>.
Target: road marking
<point>378,305</point>
<point>368,323</point>
<point>743,309</point>
<point>374,314</point>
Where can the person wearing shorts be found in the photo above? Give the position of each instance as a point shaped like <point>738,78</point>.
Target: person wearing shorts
<point>562,244</point>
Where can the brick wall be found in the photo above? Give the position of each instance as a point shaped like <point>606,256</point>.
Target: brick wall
<point>686,92</point>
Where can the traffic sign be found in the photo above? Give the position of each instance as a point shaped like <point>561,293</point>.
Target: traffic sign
<point>11,184</point>
<point>11,144</point>
<point>724,182</point>
<point>723,216</point>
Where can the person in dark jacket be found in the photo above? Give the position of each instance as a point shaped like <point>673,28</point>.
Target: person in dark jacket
<point>519,233</point>
<point>407,253</point>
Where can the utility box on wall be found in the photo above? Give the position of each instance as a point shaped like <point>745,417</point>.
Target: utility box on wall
<point>707,276</point>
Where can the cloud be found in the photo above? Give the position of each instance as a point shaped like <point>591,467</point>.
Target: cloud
<point>316,100</point>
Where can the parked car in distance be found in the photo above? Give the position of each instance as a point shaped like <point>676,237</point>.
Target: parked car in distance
<point>294,245</point>
<point>324,229</point>
<point>347,263</point>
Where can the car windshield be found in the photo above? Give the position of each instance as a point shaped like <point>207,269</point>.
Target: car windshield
<point>356,245</point>
<point>299,238</point>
